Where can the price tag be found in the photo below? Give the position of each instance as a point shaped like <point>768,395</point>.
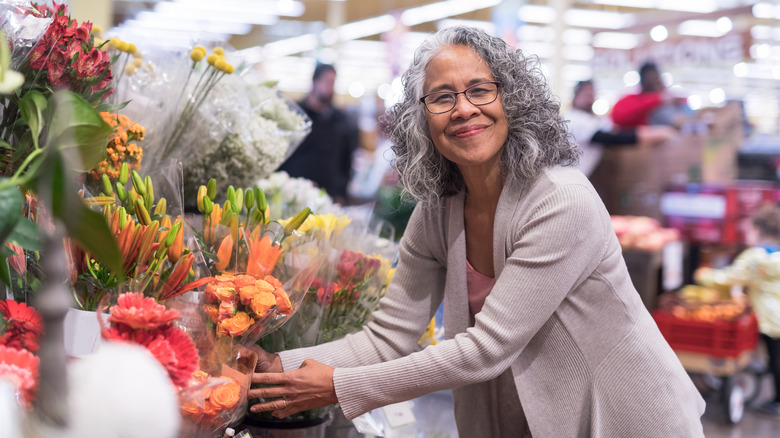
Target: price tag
<point>399,414</point>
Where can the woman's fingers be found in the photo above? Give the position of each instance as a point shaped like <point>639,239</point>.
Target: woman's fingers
<point>268,392</point>
<point>269,378</point>
<point>277,405</point>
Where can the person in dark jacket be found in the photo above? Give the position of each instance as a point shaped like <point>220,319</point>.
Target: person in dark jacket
<point>325,156</point>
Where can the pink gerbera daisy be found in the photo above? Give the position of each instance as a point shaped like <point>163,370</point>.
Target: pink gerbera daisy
<point>23,325</point>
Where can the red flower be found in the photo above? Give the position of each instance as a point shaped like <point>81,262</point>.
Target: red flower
<point>38,56</point>
<point>91,64</point>
<point>139,312</point>
<point>23,325</point>
<point>325,294</point>
<point>56,64</point>
<point>171,346</point>
<point>83,32</point>
<point>20,367</point>
<point>18,261</point>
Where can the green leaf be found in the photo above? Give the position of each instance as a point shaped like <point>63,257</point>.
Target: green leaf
<point>83,225</point>
<point>5,145</point>
<point>10,208</point>
<point>5,270</point>
<point>26,235</point>
<point>111,107</point>
<point>76,127</point>
<point>32,105</point>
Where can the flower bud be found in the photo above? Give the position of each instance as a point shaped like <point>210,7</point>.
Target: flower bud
<point>256,218</point>
<point>149,187</point>
<point>161,207</point>
<point>124,171</point>
<point>176,246</point>
<point>107,189</point>
<point>212,189</point>
<point>208,206</point>
<point>249,199</point>
<point>148,200</point>
<point>219,51</point>
<point>229,69</point>
<point>238,205</point>
<point>138,183</point>
<point>231,194</point>
<point>122,217</point>
<point>260,199</point>
<point>227,210</point>
<point>138,62</point>
<point>211,59</point>
<point>141,213</point>
<point>131,48</point>
<point>121,192</point>
<point>221,64</point>
<point>201,195</point>
<point>296,221</point>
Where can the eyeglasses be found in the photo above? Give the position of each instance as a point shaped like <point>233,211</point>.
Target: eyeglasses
<point>440,102</point>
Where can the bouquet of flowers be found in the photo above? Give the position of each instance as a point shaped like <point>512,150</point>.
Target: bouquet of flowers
<point>287,195</point>
<point>20,330</point>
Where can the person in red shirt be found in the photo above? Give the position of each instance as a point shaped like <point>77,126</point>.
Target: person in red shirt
<point>654,105</point>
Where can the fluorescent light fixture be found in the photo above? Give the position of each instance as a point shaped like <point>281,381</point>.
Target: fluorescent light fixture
<point>659,33</point>
<point>577,53</point>
<point>615,40</point>
<point>288,8</point>
<point>766,10</point>
<point>182,11</point>
<point>542,50</point>
<point>704,28</point>
<point>529,32</point>
<point>599,19</point>
<point>367,27</point>
<point>576,36</point>
<point>701,6</point>
<point>576,72</point>
<point>760,51</point>
<point>600,107</point>
<point>152,19</point>
<point>289,46</point>
<point>356,89</point>
<point>443,9</point>
<point>487,26</point>
<point>536,14</point>
<point>761,32</point>
<point>167,36</point>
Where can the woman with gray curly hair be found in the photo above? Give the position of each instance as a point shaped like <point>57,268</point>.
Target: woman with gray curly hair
<point>545,334</point>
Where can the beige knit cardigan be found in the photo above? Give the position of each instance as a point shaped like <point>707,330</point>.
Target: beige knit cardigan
<point>586,356</point>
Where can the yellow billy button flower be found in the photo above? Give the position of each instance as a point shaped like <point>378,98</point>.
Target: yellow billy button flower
<point>130,69</point>
<point>219,51</point>
<point>221,64</point>
<point>96,29</point>
<point>123,46</point>
<point>137,62</point>
<point>131,48</point>
<point>196,55</point>
<point>211,59</point>
<point>229,69</point>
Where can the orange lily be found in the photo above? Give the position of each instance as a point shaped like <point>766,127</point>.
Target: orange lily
<point>174,251</point>
<point>172,287</point>
<point>224,253</point>
<point>263,256</point>
<point>18,261</point>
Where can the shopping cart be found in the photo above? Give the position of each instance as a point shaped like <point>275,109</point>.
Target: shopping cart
<point>720,349</point>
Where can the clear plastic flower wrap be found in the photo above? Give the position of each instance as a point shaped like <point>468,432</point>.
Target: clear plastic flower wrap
<point>22,28</point>
<point>287,195</point>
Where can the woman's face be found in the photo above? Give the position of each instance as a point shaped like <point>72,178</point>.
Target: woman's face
<point>468,135</point>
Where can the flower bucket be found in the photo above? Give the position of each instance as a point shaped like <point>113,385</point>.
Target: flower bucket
<point>82,333</point>
<point>284,428</point>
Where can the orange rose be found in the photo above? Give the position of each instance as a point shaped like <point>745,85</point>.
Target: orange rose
<point>283,304</point>
<point>247,293</point>
<point>273,281</point>
<point>225,277</point>
<point>236,325</point>
<point>226,396</point>
<point>212,311</point>
<point>262,303</point>
<point>226,293</point>
<point>227,309</point>
<point>244,280</point>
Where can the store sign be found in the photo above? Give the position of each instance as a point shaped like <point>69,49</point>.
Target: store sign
<point>688,51</point>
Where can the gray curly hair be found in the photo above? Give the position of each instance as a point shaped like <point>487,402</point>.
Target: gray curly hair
<point>538,136</point>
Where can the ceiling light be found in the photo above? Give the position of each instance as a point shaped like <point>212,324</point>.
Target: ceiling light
<point>576,36</point>
<point>694,102</point>
<point>761,32</point>
<point>159,21</point>
<point>536,14</point>
<point>667,79</point>
<point>443,9</point>
<point>180,10</point>
<point>615,40</point>
<point>704,28</point>
<point>600,107</point>
<point>577,53</point>
<point>659,33</point>
<point>764,10</point>
<point>356,89</point>
<point>367,27</point>
<point>701,6</point>
<point>286,8</point>
<point>717,96</point>
<point>599,19</point>
<point>631,78</point>
<point>529,32</point>
<point>740,70</point>
<point>289,46</point>
<point>760,51</point>
<point>724,24</point>
<point>487,26</point>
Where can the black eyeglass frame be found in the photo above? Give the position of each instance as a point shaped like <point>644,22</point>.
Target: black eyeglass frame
<point>455,93</point>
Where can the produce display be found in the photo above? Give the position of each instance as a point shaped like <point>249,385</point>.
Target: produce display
<point>642,233</point>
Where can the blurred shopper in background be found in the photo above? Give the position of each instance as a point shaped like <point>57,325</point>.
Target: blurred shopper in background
<point>545,334</point>
<point>593,133</point>
<point>654,105</point>
<point>325,156</point>
<point>758,269</point>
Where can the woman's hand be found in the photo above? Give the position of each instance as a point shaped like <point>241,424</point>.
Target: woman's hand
<point>308,387</point>
<point>267,362</point>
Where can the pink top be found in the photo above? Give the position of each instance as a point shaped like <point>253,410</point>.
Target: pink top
<point>479,287</point>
